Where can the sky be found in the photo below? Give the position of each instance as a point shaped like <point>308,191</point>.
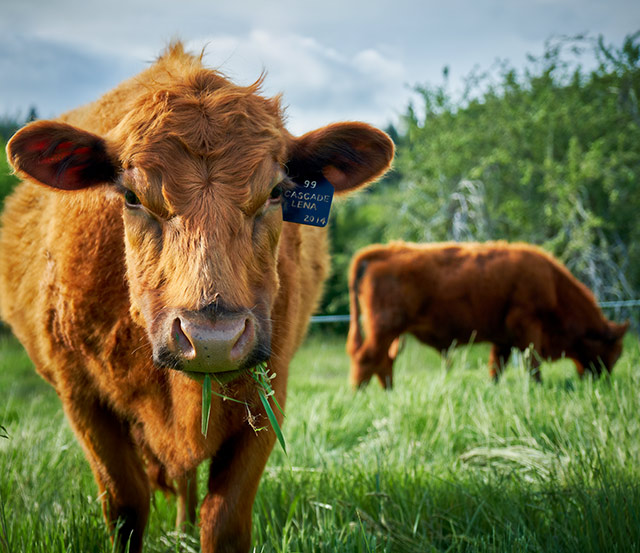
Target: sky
<point>332,60</point>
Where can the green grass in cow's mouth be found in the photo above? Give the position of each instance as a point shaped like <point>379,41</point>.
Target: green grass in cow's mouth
<point>260,374</point>
<point>206,404</point>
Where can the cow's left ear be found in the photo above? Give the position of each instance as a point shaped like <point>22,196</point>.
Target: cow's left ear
<point>61,156</point>
<point>349,155</point>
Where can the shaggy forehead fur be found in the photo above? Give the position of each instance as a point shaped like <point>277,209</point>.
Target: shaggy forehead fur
<point>202,138</point>
<point>200,148</point>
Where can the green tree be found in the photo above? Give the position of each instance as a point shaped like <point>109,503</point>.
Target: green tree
<point>7,179</point>
<point>8,126</point>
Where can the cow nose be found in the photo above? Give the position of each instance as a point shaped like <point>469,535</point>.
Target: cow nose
<point>213,346</point>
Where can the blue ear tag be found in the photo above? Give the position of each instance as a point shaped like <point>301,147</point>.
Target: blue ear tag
<point>309,202</point>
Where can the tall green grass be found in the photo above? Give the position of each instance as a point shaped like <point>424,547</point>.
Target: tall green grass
<point>447,461</point>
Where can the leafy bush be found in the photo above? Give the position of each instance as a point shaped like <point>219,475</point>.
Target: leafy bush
<point>8,126</point>
<point>7,179</point>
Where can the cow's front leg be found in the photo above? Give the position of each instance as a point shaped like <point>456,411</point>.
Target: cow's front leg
<point>225,515</point>
<point>528,333</point>
<point>498,358</point>
<point>187,499</point>
<point>579,368</point>
<point>117,466</point>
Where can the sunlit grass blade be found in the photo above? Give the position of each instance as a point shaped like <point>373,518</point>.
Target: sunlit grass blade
<point>273,397</point>
<point>206,403</point>
<point>272,419</point>
<point>261,375</point>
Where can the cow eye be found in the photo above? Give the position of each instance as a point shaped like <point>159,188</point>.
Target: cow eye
<point>276,195</point>
<point>130,199</point>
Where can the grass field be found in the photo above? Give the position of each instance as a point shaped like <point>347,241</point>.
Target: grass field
<point>447,461</point>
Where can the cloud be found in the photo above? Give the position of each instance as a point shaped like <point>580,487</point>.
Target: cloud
<point>54,77</point>
<point>332,59</point>
<point>320,83</point>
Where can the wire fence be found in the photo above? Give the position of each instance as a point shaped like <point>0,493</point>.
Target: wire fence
<point>330,318</point>
<point>622,303</point>
<point>322,319</point>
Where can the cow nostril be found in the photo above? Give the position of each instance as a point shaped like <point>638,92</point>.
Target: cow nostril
<point>182,340</point>
<point>246,338</point>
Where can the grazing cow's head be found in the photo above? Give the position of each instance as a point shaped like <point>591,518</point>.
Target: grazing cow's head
<point>201,165</point>
<point>366,363</point>
<point>602,350</point>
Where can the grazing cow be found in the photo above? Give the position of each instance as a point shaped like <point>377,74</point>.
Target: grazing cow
<point>512,295</point>
<point>145,247</point>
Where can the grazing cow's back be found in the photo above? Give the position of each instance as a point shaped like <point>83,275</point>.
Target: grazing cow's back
<point>147,235</point>
<point>512,295</point>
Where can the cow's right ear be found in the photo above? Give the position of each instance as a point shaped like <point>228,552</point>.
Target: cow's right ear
<point>61,156</point>
<point>348,154</point>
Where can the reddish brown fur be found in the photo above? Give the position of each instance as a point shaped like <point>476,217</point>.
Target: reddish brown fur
<point>512,295</point>
<point>87,285</point>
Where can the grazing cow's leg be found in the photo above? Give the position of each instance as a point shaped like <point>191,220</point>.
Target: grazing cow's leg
<point>534,367</point>
<point>533,336</point>
<point>579,368</point>
<point>385,373</point>
<point>375,354</point>
<point>225,514</point>
<point>396,347</point>
<point>498,358</point>
<point>527,332</point>
<point>187,499</point>
<point>117,468</point>
<point>374,357</point>
<point>447,358</point>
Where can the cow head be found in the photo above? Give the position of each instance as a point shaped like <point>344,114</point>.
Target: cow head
<point>367,363</point>
<point>201,166</point>
<point>598,350</point>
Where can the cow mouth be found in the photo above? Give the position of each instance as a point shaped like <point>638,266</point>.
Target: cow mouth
<point>166,359</point>
<point>218,377</point>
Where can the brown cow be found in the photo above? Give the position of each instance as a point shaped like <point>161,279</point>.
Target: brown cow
<point>512,295</point>
<point>148,235</point>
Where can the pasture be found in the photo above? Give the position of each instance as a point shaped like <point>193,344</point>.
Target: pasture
<point>447,461</point>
